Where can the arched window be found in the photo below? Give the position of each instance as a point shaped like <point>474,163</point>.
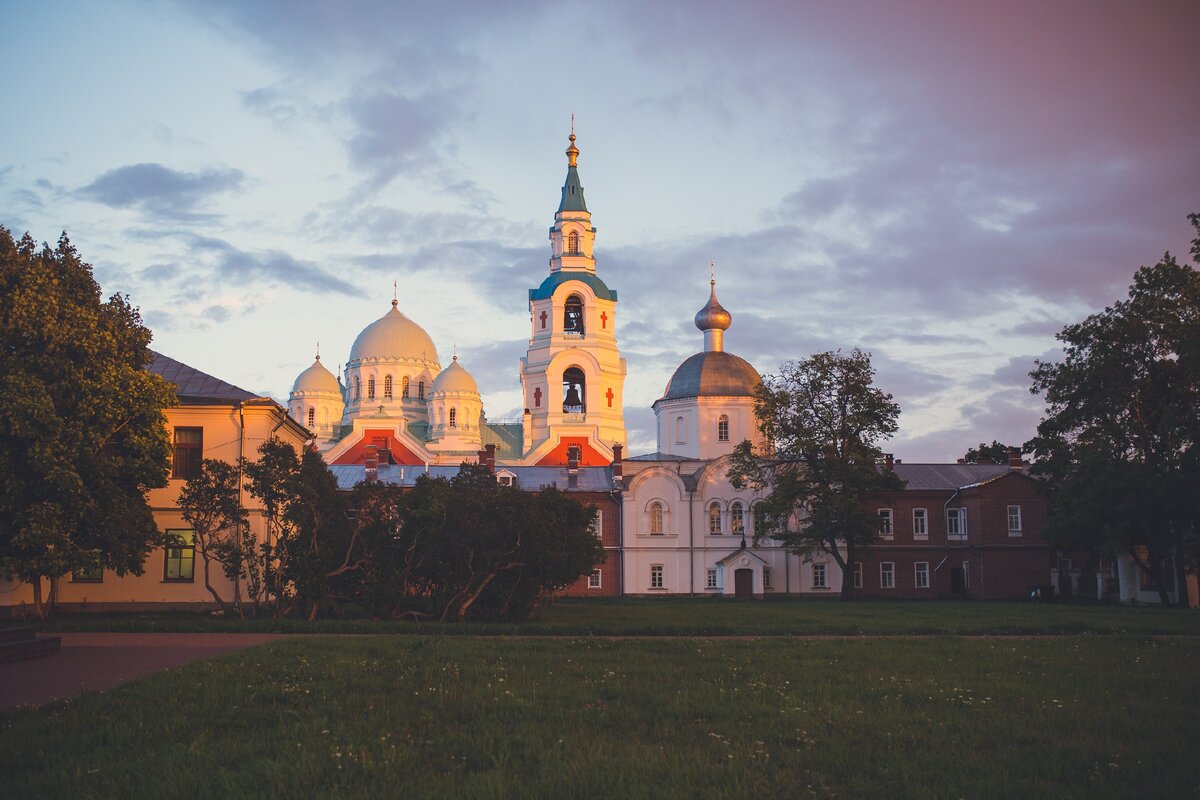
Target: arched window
<point>573,243</point>
<point>404,387</point>
<point>656,518</point>
<point>573,316</point>
<point>680,430</point>
<point>387,387</point>
<point>420,390</point>
<point>723,428</point>
<point>312,417</point>
<point>357,387</point>
<point>370,388</point>
<point>454,418</point>
<point>574,391</point>
<point>737,519</point>
<point>714,518</point>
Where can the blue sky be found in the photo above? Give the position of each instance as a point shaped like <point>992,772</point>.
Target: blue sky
<point>944,184</point>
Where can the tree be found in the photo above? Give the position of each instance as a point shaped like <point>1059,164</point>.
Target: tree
<point>1118,443</point>
<point>995,452</point>
<point>210,503</point>
<point>82,431</point>
<point>821,419</point>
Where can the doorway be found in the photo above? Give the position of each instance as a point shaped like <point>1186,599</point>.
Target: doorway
<point>958,581</point>
<point>743,584</point>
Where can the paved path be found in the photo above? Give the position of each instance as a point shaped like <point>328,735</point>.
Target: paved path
<point>99,661</point>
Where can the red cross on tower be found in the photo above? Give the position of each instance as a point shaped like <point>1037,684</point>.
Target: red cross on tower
<point>543,320</point>
<point>603,319</point>
<point>609,395</point>
<point>537,395</point>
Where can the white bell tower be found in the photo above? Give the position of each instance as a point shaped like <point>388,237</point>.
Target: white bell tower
<point>573,375</point>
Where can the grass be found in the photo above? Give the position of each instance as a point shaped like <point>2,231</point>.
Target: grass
<point>1086,717</point>
<point>714,617</point>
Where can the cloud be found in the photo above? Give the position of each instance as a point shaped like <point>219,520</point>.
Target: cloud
<point>239,265</point>
<point>160,191</point>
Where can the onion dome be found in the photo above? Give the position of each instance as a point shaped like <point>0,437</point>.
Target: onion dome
<point>713,316</point>
<point>454,379</point>
<point>317,379</point>
<point>396,337</point>
<point>713,373</point>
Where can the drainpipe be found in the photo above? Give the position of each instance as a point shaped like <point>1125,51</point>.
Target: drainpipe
<point>691,543</point>
<point>945,508</point>
<point>241,407</point>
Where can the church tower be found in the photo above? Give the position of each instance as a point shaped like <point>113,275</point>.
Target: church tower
<point>573,375</point>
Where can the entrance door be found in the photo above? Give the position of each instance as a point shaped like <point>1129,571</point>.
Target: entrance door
<point>743,583</point>
<point>958,581</point>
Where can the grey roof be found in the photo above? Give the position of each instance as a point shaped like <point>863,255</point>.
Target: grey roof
<point>195,387</point>
<point>556,279</point>
<point>588,479</point>
<point>507,436</point>
<point>949,476</point>
<point>713,373</point>
<point>572,193</point>
<point>658,457</point>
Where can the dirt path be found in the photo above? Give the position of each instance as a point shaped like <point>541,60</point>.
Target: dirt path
<point>100,661</point>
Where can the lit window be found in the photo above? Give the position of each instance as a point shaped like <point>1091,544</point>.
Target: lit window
<point>594,579</point>
<point>714,519</point>
<point>858,575</point>
<point>312,417</point>
<point>885,522</point>
<point>573,243</point>
<point>723,428</point>
<point>404,387</point>
<point>818,572</point>
<point>387,387</point>
<point>454,418</point>
<point>189,453</point>
<point>180,562</point>
<point>710,581</point>
<point>371,388</point>
<point>737,519</point>
<point>656,576</point>
<point>920,523</point>
<point>1014,520</point>
<point>887,575</point>
<point>922,574</point>
<point>656,518</point>
<point>420,390</point>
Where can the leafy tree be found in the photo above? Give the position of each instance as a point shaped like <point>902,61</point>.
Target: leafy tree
<point>1118,443</point>
<point>82,432</point>
<point>821,419</point>
<point>211,504</point>
<point>995,452</point>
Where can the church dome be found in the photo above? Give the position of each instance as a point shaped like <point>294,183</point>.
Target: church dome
<point>316,379</point>
<point>394,336</point>
<point>713,373</point>
<point>455,379</point>
<point>713,316</point>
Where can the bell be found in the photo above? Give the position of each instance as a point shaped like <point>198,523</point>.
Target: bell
<point>573,397</point>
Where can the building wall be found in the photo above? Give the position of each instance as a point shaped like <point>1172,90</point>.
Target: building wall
<point>610,536</point>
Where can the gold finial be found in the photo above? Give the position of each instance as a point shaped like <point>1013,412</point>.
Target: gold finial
<point>572,151</point>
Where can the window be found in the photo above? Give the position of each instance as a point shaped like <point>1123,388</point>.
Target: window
<point>680,431</point>
<point>887,575</point>
<point>504,480</point>
<point>656,576</point>
<point>573,243</point>
<point>420,390</point>
<point>594,579</point>
<point>714,519</point>
<point>597,524</point>
<point>920,523</point>
<point>723,428</point>
<point>189,452</point>
<point>656,518</point>
<point>966,574</point>
<point>857,574</point>
<point>387,387</point>
<point>1014,520</point>
<point>921,569</point>
<point>92,573</point>
<point>885,522</point>
<point>737,519</point>
<point>180,562</point>
<point>573,316</point>
<point>371,388</point>
<point>956,523</point>
<point>404,387</point>
<point>818,582</point>
<point>766,577</point>
<point>454,418</point>
<point>357,387</point>
<point>710,581</point>
<point>312,417</point>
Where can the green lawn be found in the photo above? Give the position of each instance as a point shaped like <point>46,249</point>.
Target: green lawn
<point>1078,716</point>
<point>716,617</point>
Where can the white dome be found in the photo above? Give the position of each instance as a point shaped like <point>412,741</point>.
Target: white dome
<point>455,379</point>
<point>316,379</point>
<point>394,336</point>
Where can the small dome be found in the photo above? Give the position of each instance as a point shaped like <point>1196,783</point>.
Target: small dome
<point>713,316</point>
<point>317,379</point>
<point>394,336</point>
<point>713,373</point>
<point>454,379</point>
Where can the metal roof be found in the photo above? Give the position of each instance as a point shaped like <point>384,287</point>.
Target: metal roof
<point>556,279</point>
<point>507,436</point>
<point>531,479</point>
<point>572,193</point>
<point>713,373</point>
<point>949,476</point>
<point>659,457</point>
<point>195,387</point>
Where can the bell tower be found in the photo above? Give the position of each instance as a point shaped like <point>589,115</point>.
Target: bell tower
<point>573,375</point>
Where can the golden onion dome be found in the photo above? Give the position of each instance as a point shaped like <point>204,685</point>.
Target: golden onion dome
<point>713,316</point>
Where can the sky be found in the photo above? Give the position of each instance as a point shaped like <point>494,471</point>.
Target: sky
<point>943,184</point>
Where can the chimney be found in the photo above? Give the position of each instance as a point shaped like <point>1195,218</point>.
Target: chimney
<point>1014,458</point>
<point>489,458</point>
<point>573,455</point>
<point>372,463</point>
<point>616,464</point>
<point>984,460</point>
<point>962,461</point>
<point>889,462</point>
<point>897,461</point>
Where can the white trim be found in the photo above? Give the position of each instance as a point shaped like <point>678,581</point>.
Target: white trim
<point>924,518</point>
<point>890,572</point>
<point>594,579</point>
<point>887,529</point>
<point>917,573</point>
<point>1017,530</point>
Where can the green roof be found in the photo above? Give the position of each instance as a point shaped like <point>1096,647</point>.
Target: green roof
<point>572,193</point>
<point>557,279</point>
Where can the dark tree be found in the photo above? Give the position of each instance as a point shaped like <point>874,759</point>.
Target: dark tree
<point>1118,443</point>
<point>822,420</point>
<point>82,432</point>
<point>210,502</point>
<point>995,452</point>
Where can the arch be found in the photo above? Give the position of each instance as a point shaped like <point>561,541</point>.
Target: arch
<point>357,387</point>
<point>371,388</point>
<point>573,243</point>
<point>573,316</point>
<point>655,510</point>
<point>714,518</point>
<point>421,390</point>
<point>404,387</point>
<point>574,391</point>
<point>723,428</point>
<point>387,387</point>
<point>680,430</point>
<point>453,417</point>
<point>737,518</point>
<point>312,417</point>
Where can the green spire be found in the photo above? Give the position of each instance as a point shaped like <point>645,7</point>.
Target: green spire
<point>572,191</point>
